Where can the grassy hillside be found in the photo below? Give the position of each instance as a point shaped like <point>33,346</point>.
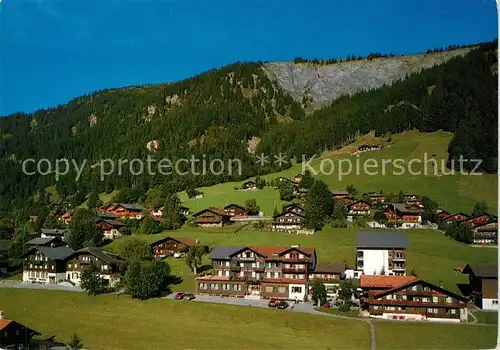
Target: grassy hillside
<point>431,255</point>
<point>455,192</point>
<point>111,322</point>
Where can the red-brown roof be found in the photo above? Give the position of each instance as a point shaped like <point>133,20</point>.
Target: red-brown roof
<point>186,241</point>
<point>380,281</point>
<point>270,252</point>
<point>4,323</point>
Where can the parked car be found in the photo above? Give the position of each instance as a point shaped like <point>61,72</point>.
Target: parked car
<point>282,305</point>
<point>179,296</point>
<point>188,296</point>
<point>273,303</point>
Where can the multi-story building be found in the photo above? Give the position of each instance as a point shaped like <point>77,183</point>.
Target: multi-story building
<point>455,217</point>
<point>381,253</point>
<point>331,274</point>
<point>483,283</point>
<point>403,215</point>
<point>358,209</point>
<point>53,232</point>
<point>45,264</point>
<point>291,219</point>
<point>255,272</point>
<point>417,300</point>
<point>486,233</point>
<point>14,335</point>
<point>106,262</point>
<point>235,210</point>
<point>176,246</point>
<point>46,242</point>
<point>124,210</point>
<point>109,227</point>
<point>211,217</point>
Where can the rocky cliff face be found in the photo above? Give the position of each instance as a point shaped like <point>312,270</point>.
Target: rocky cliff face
<point>325,83</point>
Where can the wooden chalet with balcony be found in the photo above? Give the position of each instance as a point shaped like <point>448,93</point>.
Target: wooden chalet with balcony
<point>477,220</point>
<point>45,264</point>
<point>486,233</point>
<point>377,283</point>
<point>455,217</point>
<point>290,220</point>
<point>403,215</point>
<point>211,217</point>
<point>14,335</point>
<point>330,274</point>
<point>442,213</point>
<point>65,218</point>
<point>173,246</point>
<point>110,228</point>
<point>106,262</point>
<point>417,300</point>
<point>298,178</point>
<point>483,284</point>
<point>235,210</point>
<point>358,209</point>
<point>339,194</point>
<point>255,272</point>
<point>375,197</point>
<point>124,210</point>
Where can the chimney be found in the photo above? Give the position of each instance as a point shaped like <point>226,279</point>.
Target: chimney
<point>1,315</point>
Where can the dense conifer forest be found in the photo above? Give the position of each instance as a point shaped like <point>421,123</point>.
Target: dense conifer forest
<point>217,112</point>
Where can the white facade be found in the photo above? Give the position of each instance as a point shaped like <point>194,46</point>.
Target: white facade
<point>111,234</point>
<point>350,273</point>
<point>74,276</point>
<point>297,291</point>
<point>490,304</point>
<point>416,317</point>
<point>375,262</point>
<point>43,276</point>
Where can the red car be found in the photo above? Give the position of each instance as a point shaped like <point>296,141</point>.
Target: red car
<point>179,296</point>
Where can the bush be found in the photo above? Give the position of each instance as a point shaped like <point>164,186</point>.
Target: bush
<point>345,306</point>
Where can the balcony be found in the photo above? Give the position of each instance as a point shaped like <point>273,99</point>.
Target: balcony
<point>399,268</point>
<point>259,269</point>
<point>245,258</point>
<point>234,268</point>
<point>293,270</point>
<point>360,257</point>
<point>392,302</point>
<point>398,258</point>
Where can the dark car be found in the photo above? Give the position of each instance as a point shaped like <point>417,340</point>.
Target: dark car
<point>273,303</point>
<point>188,296</point>
<point>179,296</point>
<point>282,305</point>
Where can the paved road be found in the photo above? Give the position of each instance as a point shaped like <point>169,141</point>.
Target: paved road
<point>15,284</point>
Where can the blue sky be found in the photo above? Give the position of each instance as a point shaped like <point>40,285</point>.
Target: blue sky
<point>54,50</point>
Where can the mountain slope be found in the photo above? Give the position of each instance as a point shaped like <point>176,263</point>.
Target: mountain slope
<point>215,114</point>
<point>326,82</point>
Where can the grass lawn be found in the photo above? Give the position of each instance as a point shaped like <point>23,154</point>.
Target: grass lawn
<point>109,322</point>
<point>454,192</point>
<point>490,317</point>
<point>431,255</point>
<point>395,335</point>
<point>350,313</point>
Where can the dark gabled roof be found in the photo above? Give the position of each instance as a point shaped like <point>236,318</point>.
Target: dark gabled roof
<point>418,281</point>
<point>54,231</point>
<point>5,244</point>
<point>293,205</point>
<point>44,241</point>
<point>379,239</point>
<point>458,213</point>
<point>248,182</point>
<point>339,192</point>
<point>129,206</point>
<point>360,201</point>
<point>112,222</point>
<point>405,209</point>
<point>183,240</point>
<point>212,210</point>
<point>225,252</point>
<point>57,253</point>
<point>288,212</point>
<point>99,253</point>
<point>329,268</point>
<point>234,205</point>
<point>482,271</point>
<point>106,215</point>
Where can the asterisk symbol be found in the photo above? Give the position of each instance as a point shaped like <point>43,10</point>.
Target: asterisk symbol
<point>262,159</point>
<point>280,159</point>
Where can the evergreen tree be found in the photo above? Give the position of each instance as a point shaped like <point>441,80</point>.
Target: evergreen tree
<point>251,206</point>
<point>286,190</point>
<point>318,205</point>
<point>318,291</point>
<point>91,281</point>
<point>307,180</point>
<point>480,208</point>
